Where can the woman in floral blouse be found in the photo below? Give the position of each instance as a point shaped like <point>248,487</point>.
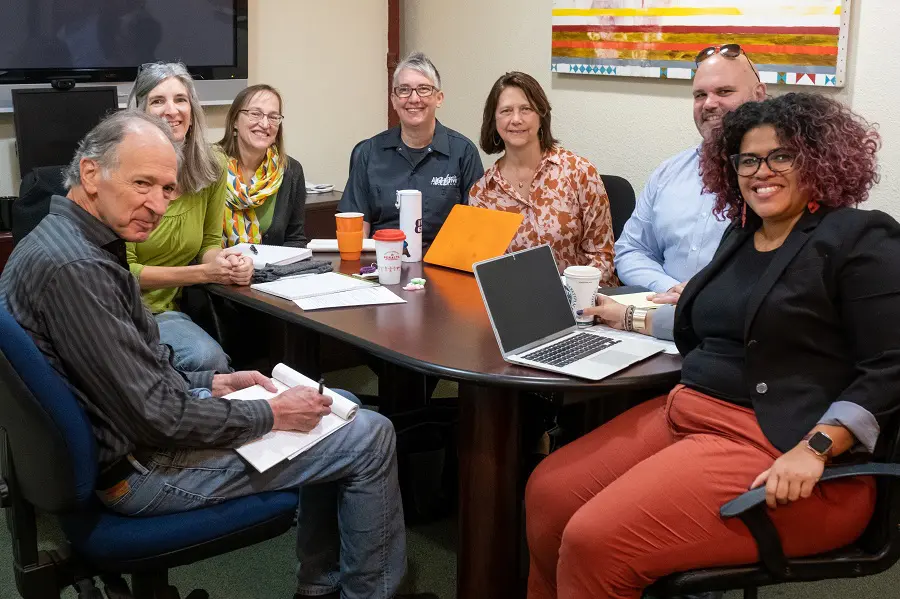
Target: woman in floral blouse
<point>559,193</point>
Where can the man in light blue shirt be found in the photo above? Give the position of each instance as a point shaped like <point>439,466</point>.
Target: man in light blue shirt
<point>673,233</point>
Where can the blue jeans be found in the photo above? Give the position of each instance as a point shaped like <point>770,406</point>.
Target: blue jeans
<point>194,350</point>
<point>349,503</point>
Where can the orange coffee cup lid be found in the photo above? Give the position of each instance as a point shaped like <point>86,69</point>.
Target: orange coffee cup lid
<point>389,235</point>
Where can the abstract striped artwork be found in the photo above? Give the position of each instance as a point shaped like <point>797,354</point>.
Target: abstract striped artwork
<point>798,42</point>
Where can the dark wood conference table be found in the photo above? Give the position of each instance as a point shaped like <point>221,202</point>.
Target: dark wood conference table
<point>444,331</point>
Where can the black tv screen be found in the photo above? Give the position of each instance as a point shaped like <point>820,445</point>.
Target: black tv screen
<point>107,40</point>
<point>50,123</point>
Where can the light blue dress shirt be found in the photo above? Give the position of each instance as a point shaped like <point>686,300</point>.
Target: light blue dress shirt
<point>672,233</point>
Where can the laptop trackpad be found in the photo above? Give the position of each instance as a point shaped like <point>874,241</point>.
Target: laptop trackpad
<point>613,358</point>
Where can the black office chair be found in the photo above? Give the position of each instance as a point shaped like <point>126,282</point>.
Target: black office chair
<point>355,152</point>
<point>33,203</point>
<point>621,201</point>
<point>875,551</point>
<point>49,463</point>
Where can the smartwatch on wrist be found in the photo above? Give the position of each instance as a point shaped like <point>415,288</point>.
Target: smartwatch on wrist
<point>820,444</point>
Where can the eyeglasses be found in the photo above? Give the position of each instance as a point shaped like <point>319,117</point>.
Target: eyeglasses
<point>728,51</point>
<point>778,161</point>
<point>256,116</point>
<point>423,91</point>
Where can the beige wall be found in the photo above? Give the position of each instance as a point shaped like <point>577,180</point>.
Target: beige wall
<point>328,61</point>
<point>626,126</point>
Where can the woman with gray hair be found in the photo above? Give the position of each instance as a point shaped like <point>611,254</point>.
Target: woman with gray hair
<point>186,248</point>
<point>426,155</point>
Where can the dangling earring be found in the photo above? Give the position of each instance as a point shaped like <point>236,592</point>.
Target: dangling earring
<point>497,140</point>
<point>812,206</point>
<point>234,132</point>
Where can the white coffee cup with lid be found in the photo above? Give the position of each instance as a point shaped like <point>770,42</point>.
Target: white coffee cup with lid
<point>581,288</point>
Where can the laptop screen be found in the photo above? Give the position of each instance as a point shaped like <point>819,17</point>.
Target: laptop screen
<point>524,297</point>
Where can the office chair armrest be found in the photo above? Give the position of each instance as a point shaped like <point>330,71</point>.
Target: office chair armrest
<point>754,497</point>
<point>751,509</point>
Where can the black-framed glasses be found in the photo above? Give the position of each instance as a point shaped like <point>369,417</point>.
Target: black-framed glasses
<point>778,160</point>
<point>731,51</point>
<point>256,116</point>
<point>423,91</point>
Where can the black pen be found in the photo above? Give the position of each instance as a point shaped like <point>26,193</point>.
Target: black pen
<point>254,250</point>
<point>321,385</point>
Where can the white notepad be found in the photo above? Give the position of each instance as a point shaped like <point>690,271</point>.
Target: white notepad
<point>330,245</point>
<point>638,300</point>
<point>294,288</point>
<point>358,297</point>
<point>275,446</point>
<point>272,254</point>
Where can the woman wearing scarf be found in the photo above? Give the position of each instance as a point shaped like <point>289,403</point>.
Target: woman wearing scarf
<point>265,188</point>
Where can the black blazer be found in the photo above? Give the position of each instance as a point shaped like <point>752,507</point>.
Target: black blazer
<point>822,324</point>
<point>290,210</point>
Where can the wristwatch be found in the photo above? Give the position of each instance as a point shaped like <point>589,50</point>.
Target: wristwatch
<point>820,444</point>
<point>639,320</point>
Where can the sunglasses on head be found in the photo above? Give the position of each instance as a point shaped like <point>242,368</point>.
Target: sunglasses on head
<point>731,51</point>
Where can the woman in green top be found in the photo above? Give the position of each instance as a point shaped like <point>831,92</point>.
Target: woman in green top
<point>186,248</point>
<point>265,191</point>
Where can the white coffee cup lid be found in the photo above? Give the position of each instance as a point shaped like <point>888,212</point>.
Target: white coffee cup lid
<point>582,272</point>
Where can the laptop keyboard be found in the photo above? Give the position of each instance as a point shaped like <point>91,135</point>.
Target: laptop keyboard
<point>571,349</point>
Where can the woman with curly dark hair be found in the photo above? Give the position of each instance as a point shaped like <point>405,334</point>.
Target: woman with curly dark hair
<point>791,345</point>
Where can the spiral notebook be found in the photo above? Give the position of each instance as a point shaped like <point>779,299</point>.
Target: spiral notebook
<point>275,446</point>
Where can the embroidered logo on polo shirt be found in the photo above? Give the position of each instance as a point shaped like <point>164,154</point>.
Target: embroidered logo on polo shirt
<point>445,181</point>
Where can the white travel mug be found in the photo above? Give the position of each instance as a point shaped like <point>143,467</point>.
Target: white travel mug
<point>409,201</point>
<point>388,249</point>
<point>581,289</point>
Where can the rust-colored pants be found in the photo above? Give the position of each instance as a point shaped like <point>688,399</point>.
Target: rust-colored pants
<point>639,498</point>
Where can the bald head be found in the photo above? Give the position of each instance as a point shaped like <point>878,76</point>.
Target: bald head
<point>721,84</point>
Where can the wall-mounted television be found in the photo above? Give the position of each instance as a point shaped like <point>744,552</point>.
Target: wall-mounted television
<point>106,41</point>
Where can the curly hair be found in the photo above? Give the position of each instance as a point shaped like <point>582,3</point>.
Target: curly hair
<point>835,150</point>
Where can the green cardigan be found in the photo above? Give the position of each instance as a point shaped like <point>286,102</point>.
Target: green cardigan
<point>191,226</point>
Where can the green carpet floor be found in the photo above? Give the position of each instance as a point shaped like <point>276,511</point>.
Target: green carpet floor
<point>266,571</point>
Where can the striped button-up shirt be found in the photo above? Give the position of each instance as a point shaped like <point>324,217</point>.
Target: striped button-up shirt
<point>68,285</point>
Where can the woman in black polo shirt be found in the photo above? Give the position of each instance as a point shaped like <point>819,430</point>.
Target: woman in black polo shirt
<point>420,154</point>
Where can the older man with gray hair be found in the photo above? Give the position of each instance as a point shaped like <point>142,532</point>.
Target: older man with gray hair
<point>420,154</point>
<point>164,437</point>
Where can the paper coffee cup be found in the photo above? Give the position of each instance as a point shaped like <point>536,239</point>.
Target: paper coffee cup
<point>581,289</point>
<point>349,221</point>
<point>388,255</point>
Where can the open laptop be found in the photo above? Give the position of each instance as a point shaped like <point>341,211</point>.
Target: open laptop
<point>533,321</point>
<point>472,234</point>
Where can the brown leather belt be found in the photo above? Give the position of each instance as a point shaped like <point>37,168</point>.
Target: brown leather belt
<point>121,469</point>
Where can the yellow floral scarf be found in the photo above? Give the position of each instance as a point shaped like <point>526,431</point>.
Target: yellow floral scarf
<point>242,199</point>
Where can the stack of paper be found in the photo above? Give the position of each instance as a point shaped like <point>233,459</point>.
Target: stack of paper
<point>330,245</point>
<point>358,297</point>
<point>294,288</point>
<point>313,188</point>
<point>272,254</point>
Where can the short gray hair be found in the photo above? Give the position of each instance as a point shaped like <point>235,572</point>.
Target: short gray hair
<point>201,167</point>
<point>101,144</point>
<point>417,61</point>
